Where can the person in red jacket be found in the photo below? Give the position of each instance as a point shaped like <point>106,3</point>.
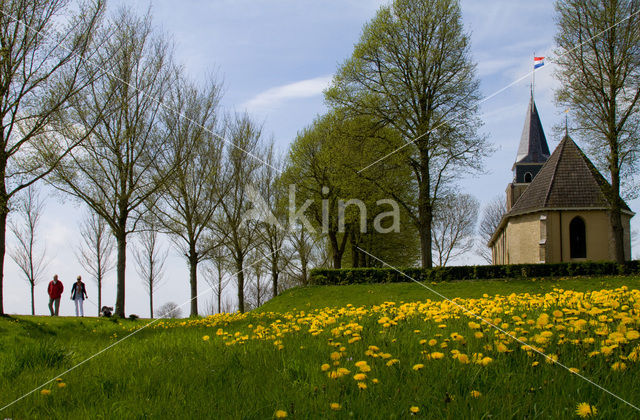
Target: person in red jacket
<point>55,291</point>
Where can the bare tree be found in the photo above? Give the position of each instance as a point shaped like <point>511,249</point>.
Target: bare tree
<point>115,171</point>
<point>187,203</point>
<point>304,243</point>
<point>454,226</point>
<point>599,70</point>
<point>95,253</point>
<point>240,234</point>
<point>27,254</point>
<point>169,310</point>
<point>258,286</point>
<point>214,274</point>
<point>150,259</point>
<point>492,214</point>
<point>273,232</point>
<point>40,70</point>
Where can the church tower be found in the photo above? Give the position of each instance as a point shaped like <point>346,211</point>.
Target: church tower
<point>533,152</point>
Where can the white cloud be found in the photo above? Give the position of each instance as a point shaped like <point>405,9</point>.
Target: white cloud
<point>274,96</point>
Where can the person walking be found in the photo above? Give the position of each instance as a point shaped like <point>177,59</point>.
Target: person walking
<point>55,290</point>
<point>78,295</point>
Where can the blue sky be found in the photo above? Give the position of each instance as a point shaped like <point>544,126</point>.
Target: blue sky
<point>275,58</point>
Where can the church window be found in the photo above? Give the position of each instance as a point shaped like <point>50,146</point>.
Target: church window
<point>577,238</point>
<point>528,177</point>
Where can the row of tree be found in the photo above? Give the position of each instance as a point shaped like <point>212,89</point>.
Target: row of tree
<point>95,104</point>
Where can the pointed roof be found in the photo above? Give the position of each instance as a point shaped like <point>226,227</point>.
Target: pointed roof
<point>567,180</point>
<point>533,146</point>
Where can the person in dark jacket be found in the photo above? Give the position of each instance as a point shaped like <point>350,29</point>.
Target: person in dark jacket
<point>78,295</point>
<point>55,290</point>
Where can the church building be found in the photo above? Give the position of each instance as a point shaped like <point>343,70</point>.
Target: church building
<point>557,208</point>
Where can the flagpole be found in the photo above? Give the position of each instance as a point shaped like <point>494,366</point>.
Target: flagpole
<point>533,75</point>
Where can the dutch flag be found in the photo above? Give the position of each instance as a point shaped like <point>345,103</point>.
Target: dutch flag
<point>538,62</point>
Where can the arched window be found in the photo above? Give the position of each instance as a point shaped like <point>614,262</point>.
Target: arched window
<point>528,177</point>
<point>578,238</point>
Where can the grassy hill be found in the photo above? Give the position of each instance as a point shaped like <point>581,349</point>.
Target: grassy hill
<point>363,351</point>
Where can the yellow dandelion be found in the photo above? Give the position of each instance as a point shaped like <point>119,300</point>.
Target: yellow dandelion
<point>393,362</point>
<point>335,406</point>
<point>359,376</point>
<point>375,380</point>
<point>478,334</point>
<point>205,337</point>
<point>618,366</point>
<point>414,410</point>
<point>463,358</point>
<point>586,410</point>
<point>281,414</point>
<point>335,355</point>
<point>362,385</point>
<point>325,367</point>
<point>61,384</point>
<point>433,342</point>
<point>418,366</point>
<point>45,392</point>
<point>475,394</point>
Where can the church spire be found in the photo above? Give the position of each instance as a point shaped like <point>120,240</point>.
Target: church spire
<point>533,146</point>
<point>533,150</point>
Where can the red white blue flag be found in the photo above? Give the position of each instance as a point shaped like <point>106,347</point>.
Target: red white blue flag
<point>538,62</point>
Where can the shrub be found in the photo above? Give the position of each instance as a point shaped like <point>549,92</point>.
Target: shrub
<point>322,276</point>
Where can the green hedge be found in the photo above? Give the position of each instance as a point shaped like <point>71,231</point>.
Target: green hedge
<point>475,272</point>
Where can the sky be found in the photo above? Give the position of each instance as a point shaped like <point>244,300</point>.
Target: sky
<point>274,58</point>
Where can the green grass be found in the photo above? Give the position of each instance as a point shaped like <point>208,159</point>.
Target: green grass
<point>171,372</point>
<point>317,297</point>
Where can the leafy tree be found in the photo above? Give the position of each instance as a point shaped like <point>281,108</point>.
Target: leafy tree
<point>115,170</point>
<point>41,69</point>
<point>412,70</point>
<point>599,72</point>
<point>95,253</point>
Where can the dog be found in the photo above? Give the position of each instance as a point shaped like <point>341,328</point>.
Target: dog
<point>106,311</point>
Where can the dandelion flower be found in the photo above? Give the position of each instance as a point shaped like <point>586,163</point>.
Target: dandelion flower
<point>618,366</point>
<point>418,366</point>
<point>433,342</point>
<point>205,337</point>
<point>335,406</point>
<point>375,380</point>
<point>281,414</point>
<point>414,410</point>
<point>359,376</point>
<point>362,385</point>
<point>45,392</point>
<point>586,410</point>
<point>325,367</point>
<point>61,384</point>
<point>476,394</point>
<point>335,355</point>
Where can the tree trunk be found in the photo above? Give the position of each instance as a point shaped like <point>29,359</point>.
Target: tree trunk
<point>33,305</point>
<point>239,268</point>
<point>4,210</point>
<point>193,278</point>
<point>151,300</point>
<point>425,212</point>
<point>616,205</point>
<point>219,291</point>
<point>303,264</point>
<point>99,293</point>
<point>274,276</point>
<point>121,240</point>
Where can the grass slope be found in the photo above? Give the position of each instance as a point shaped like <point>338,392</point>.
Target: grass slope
<point>277,358</point>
